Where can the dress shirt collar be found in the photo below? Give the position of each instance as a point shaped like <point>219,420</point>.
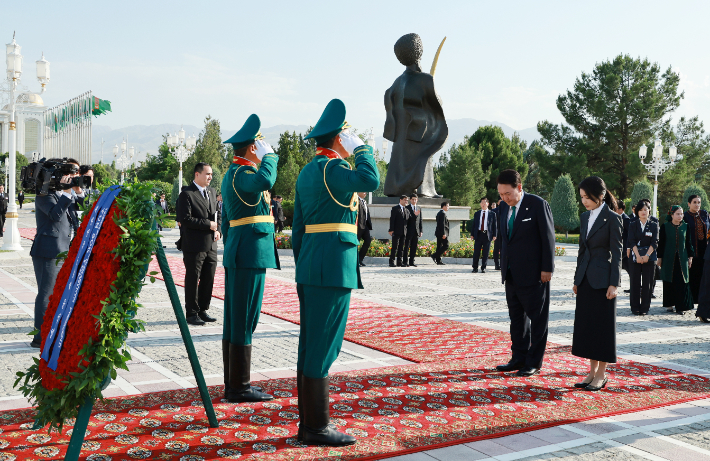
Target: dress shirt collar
<point>593,215</point>
<point>517,205</point>
<point>200,188</point>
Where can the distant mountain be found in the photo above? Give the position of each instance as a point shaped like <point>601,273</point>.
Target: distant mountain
<point>147,139</point>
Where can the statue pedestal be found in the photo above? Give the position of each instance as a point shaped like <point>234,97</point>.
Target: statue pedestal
<point>382,207</point>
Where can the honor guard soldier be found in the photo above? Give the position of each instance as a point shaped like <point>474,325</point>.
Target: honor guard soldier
<point>249,249</point>
<point>325,249</point>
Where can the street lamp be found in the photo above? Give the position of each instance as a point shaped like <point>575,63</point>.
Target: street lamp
<point>658,165</point>
<point>384,147</point>
<point>13,60</point>
<point>181,149</point>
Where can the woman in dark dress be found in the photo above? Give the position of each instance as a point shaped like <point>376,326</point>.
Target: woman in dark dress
<point>675,257</point>
<point>596,280</point>
<point>698,226</point>
<point>643,241</point>
<point>703,312</point>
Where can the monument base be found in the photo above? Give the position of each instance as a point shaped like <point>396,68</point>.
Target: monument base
<point>381,209</point>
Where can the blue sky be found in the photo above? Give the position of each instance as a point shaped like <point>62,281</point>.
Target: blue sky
<point>178,61</point>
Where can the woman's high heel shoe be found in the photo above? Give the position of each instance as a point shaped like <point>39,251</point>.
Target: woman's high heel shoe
<point>582,385</point>
<point>597,388</point>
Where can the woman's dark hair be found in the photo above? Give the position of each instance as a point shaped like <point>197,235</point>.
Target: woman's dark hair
<point>596,190</point>
<point>692,197</point>
<point>642,204</point>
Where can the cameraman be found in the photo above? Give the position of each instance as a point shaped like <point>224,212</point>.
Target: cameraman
<point>56,217</point>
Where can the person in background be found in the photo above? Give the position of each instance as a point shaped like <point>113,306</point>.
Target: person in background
<point>414,229</point>
<point>21,197</point>
<point>200,225</point>
<point>596,280</point>
<point>642,242</point>
<point>484,231</point>
<point>652,219</point>
<point>632,216</point>
<point>219,202</point>
<point>624,255</point>
<point>55,221</point>
<point>497,242</point>
<point>364,226</point>
<point>162,205</point>
<point>527,262</point>
<point>442,234</point>
<point>698,226</point>
<point>3,208</point>
<point>278,211</point>
<point>399,216</point>
<point>675,258</point>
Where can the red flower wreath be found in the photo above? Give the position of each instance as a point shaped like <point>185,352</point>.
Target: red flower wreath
<point>101,273</point>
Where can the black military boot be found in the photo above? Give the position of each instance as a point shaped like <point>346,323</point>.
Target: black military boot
<point>317,415</point>
<point>225,363</point>
<point>240,388</point>
<point>299,386</point>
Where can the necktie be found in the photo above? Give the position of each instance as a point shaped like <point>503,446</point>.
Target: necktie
<point>483,217</point>
<point>510,223</point>
<point>204,194</point>
<point>401,209</point>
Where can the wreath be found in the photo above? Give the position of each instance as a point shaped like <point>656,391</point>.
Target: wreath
<point>104,311</point>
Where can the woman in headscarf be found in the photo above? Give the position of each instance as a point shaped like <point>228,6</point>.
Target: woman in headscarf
<point>698,227</point>
<point>675,257</point>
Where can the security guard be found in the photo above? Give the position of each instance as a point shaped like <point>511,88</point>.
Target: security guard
<point>325,249</point>
<point>249,249</point>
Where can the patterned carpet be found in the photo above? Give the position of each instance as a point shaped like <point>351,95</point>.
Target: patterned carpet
<point>451,396</point>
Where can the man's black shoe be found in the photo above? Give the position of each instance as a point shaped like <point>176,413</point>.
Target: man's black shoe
<point>527,371</point>
<point>483,270</point>
<point>206,317</point>
<point>440,263</point>
<point>497,267</point>
<point>511,366</point>
<point>36,345</point>
<point>433,259</point>
<point>653,296</point>
<point>405,265</point>
<point>412,265</point>
<point>362,264</point>
<point>392,264</point>
<point>627,291</point>
<point>475,270</point>
<point>195,320</point>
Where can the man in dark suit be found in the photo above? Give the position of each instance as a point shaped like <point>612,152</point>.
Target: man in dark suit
<point>414,229</point>
<point>496,244</point>
<point>620,207</point>
<point>364,226</point>
<point>21,197</point>
<point>398,230</point>
<point>485,230</point>
<point>200,223</point>
<point>53,215</point>
<point>278,211</point>
<point>162,204</point>
<point>3,208</point>
<point>527,261</point>
<point>441,233</point>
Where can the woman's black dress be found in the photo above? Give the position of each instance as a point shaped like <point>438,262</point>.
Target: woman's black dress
<point>594,336</point>
<point>676,293</point>
<point>704,296</point>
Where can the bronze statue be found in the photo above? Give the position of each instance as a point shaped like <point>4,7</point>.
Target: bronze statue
<point>415,123</point>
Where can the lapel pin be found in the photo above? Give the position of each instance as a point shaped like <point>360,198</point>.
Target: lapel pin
<point>604,219</point>
<point>526,209</point>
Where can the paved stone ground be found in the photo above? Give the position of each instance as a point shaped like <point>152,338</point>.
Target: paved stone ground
<point>680,432</point>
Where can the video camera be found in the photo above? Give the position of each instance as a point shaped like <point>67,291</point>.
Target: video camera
<point>44,176</point>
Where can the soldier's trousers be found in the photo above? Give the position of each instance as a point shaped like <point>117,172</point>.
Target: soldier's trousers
<point>243,292</point>
<point>324,313</point>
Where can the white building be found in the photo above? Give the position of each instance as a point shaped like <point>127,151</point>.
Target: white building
<point>29,122</point>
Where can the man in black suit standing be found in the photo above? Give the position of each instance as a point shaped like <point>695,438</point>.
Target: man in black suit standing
<point>200,223</point>
<point>3,208</point>
<point>364,226</point>
<point>278,212</point>
<point>441,233</point>
<point>162,205</point>
<point>620,207</point>
<point>527,262</point>
<point>21,197</point>
<point>496,244</point>
<point>398,230</point>
<point>485,230</point>
<point>414,229</point>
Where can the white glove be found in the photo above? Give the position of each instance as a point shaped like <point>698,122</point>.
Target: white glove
<point>263,148</point>
<point>350,141</point>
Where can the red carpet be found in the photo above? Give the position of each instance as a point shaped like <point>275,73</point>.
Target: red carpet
<point>392,411</point>
<point>450,397</point>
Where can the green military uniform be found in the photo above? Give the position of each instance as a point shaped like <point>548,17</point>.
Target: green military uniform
<point>325,249</point>
<point>249,249</point>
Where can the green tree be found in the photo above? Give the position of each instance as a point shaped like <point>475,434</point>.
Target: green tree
<point>563,204</point>
<point>693,189</point>
<point>285,184</point>
<point>498,153</point>
<point>175,192</point>
<point>642,189</point>
<point>20,161</point>
<point>291,161</point>
<point>160,167</point>
<point>209,149</point>
<point>102,175</point>
<point>459,175</point>
<point>693,144</point>
<point>612,111</point>
<point>533,182</point>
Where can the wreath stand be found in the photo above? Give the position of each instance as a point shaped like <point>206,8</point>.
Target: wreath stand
<point>82,419</point>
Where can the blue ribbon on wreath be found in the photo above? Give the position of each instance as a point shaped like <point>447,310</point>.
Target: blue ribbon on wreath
<point>58,331</point>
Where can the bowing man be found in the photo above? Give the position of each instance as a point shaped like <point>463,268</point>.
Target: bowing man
<point>527,262</point>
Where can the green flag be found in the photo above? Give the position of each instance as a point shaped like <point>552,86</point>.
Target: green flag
<point>101,106</point>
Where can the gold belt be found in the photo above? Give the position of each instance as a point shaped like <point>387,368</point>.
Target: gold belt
<point>250,220</point>
<point>331,227</point>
